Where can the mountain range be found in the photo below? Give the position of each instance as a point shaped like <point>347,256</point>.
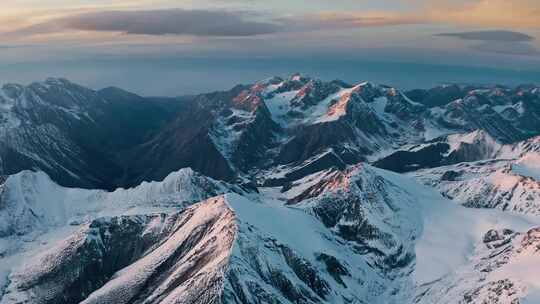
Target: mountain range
<point>288,190</point>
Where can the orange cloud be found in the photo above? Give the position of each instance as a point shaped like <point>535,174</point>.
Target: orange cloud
<point>504,14</point>
<point>489,13</point>
<point>359,19</point>
<point>499,14</point>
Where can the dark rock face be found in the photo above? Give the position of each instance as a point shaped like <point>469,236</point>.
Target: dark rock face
<point>326,161</point>
<point>508,115</point>
<point>313,92</point>
<point>233,131</point>
<point>450,175</point>
<point>496,239</point>
<point>438,96</point>
<point>183,143</point>
<point>86,264</point>
<point>306,272</point>
<point>315,139</point>
<point>404,161</point>
<point>258,136</point>
<point>367,121</point>
<point>75,134</point>
<point>448,150</point>
<point>334,267</point>
<point>402,108</point>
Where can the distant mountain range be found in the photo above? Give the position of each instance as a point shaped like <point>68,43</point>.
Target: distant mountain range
<point>276,192</point>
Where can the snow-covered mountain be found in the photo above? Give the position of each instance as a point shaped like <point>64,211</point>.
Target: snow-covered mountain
<point>156,258</point>
<point>501,270</point>
<point>454,149</point>
<point>110,138</point>
<point>280,204</point>
<point>363,235</point>
<point>512,185</point>
<point>475,170</point>
<point>32,202</point>
<point>281,125</point>
<point>75,134</point>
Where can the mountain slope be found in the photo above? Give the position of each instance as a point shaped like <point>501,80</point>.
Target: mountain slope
<point>73,133</point>
<point>364,235</point>
<point>501,271</point>
<point>512,185</point>
<point>111,138</point>
<point>32,202</point>
<point>454,149</point>
<point>284,209</point>
<point>133,259</point>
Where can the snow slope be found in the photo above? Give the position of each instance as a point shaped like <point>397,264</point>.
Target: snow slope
<point>502,270</point>
<point>451,232</point>
<point>159,258</point>
<point>32,200</point>
<point>528,165</point>
<point>508,185</point>
<point>362,235</point>
<point>36,210</point>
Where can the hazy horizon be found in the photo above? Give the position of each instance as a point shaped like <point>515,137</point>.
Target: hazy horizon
<point>187,77</point>
<point>186,47</point>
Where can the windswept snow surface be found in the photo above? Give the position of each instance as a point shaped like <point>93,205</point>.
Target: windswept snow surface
<point>451,232</point>
<point>293,226</point>
<point>509,185</point>
<point>32,200</point>
<point>528,165</point>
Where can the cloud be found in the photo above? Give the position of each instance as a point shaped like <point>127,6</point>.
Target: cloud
<point>518,48</point>
<point>489,13</point>
<point>515,14</point>
<point>345,20</point>
<point>157,22</point>
<point>15,46</point>
<point>500,35</point>
<point>503,42</point>
<point>223,23</point>
<point>208,23</point>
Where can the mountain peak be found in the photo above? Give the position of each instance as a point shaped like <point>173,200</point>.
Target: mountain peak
<point>298,77</point>
<point>54,81</point>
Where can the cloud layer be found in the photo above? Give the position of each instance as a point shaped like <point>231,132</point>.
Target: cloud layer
<point>503,36</point>
<point>227,23</point>
<point>503,42</point>
<point>158,22</point>
<point>489,13</point>
<point>209,23</point>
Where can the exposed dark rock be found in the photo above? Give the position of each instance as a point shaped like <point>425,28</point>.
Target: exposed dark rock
<point>404,161</point>
<point>305,272</point>
<point>334,268</point>
<point>438,96</point>
<point>450,175</point>
<point>324,162</point>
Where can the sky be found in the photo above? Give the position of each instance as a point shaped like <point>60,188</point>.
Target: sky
<point>169,48</point>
